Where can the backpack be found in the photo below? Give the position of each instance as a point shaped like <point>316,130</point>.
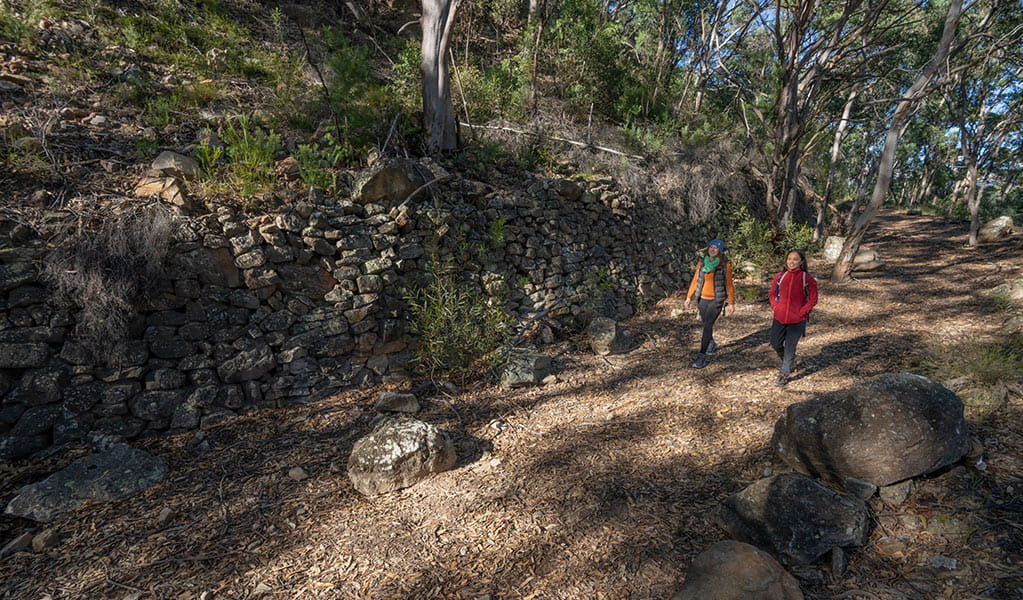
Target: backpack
<point>777,287</point>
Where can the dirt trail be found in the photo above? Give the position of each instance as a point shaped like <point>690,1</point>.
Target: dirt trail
<point>599,486</point>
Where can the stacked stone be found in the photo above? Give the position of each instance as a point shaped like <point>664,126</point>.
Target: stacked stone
<point>259,312</point>
<point>558,239</point>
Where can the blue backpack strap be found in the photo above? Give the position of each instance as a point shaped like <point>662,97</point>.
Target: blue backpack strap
<point>777,286</point>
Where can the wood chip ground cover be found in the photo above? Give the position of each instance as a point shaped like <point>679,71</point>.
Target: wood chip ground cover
<point>601,485</point>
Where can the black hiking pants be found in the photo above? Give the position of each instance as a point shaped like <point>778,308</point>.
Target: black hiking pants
<point>710,310</point>
<point>784,338</point>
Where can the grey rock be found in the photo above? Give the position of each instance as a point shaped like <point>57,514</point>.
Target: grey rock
<point>399,453</point>
<point>524,368</point>
<point>155,405</point>
<point>117,473</point>
<point>731,570</point>
<point>395,402</point>
<point>23,356</point>
<point>16,274</point>
<point>387,183</point>
<point>874,433</point>
<point>22,543</point>
<point>897,493</point>
<point>176,165</point>
<point>996,229</point>
<point>795,518</point>
<point>40,386</point>
<point>248,365</point>
<point>606,337</point>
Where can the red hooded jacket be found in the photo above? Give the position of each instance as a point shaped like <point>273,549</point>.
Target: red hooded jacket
<point>792,302</point>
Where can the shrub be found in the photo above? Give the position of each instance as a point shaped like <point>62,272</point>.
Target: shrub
<point>748,239</point>
<point>799,237</point>
<point>750,242</point>
<point>459,326</point>
<point>107,268</point>
<point>317,163</point>
<point>981,372</point>
<point>250,152</point>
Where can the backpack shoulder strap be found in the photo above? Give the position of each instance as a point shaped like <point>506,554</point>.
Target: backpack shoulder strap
<point>777,286</point>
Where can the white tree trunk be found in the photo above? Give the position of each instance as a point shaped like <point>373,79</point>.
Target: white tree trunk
<point>438,110</point>
<point>835,147</point>
<point>903,111</point>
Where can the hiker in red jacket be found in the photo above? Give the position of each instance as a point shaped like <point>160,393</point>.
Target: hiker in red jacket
<point>793,295</point>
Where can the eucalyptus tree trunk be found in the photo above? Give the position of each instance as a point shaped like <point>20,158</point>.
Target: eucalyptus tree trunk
<point>973,201</point>
<point>438,110</point>
<point>835,146</point>
<point>903,111</point>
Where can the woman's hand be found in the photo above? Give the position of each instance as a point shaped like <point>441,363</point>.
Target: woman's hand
<point>689,303</point>
<point>730,310</point>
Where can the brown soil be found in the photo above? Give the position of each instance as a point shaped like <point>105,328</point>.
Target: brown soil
<point>602,485</point>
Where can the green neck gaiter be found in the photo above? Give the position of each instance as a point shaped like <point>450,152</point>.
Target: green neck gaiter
<point>709,264</point>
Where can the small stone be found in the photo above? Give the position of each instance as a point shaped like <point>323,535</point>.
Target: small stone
<point>261,589</point>
<point>47,539</point>
<point>298,474</point>
<point>896,494</point>
<point>395,402</point>
<point>165,517</point>
<point>22,543</point>
<point>942,562</point>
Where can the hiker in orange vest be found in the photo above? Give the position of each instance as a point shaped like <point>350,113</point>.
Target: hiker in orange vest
<point>793,295</point>
<point>713,282</point>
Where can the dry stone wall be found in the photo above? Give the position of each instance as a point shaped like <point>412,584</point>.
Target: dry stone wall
<point>263,311</point>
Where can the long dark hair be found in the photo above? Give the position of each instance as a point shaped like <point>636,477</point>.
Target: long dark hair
<point>802,258</point>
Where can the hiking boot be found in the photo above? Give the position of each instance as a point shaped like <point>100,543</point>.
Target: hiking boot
<point>782,380</point>
<point>712,347</point>
<point>700,362</point>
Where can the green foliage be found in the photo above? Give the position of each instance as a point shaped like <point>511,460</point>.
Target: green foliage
<point>18,19</point>
<point>317,163</point>
<point>406,79</point>
<point>798,236</point>
<point>502,89</point>
<point>459,326</point>
<point>22,151</point>
<point>537,155</point>
<point>748,293</point>
<point>250,152</point>
<point>208,155</point>
<point>143,148</point>
<point>748,239</point>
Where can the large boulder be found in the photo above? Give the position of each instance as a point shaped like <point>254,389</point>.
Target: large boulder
<point>606,337</point>
<point>400,452</point>
<point>832,247</point>
<point>117,473</point>
<point>388,183</point>
<point>795,518</point>
<point>731,570</point>
<point>874,433</point>
<point>996,229</point>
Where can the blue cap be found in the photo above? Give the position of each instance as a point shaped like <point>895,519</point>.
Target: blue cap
<point>718,243</point>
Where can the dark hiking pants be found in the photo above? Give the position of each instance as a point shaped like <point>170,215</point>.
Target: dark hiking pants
<point>710,310</point>
<point>784,338</point>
